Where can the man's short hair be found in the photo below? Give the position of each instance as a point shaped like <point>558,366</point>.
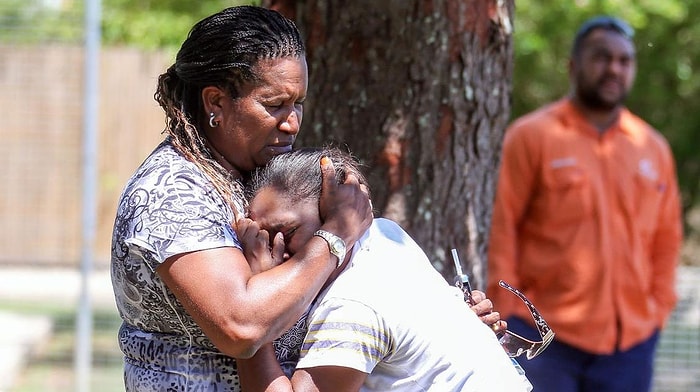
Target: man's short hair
<point>601,22</point>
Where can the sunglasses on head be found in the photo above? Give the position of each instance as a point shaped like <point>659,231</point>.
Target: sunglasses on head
<point>516,345</point>
<point>606,22</point>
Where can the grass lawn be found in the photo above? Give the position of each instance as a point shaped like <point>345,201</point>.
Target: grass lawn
<point>51,369</point>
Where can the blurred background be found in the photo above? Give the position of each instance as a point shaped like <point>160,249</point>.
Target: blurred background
<point>78,119</point>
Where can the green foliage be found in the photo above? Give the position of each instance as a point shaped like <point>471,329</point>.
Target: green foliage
<point>29,21</point>
<point>147,24</point>
<point>668,50</point>
<point>667,37</point>
<point>156,24</point>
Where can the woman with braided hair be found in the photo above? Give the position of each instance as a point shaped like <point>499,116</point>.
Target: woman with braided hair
<point>188,298</point>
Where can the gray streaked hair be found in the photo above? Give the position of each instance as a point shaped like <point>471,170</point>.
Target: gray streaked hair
<point>297,174</point>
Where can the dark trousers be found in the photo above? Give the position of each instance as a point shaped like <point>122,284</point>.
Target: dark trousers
<point>562,368</point>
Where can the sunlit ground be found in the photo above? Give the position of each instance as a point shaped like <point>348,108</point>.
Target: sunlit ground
<point>50,368</point>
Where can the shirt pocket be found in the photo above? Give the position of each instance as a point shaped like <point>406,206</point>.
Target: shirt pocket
<point>566,195</point>
<point>647,196</point>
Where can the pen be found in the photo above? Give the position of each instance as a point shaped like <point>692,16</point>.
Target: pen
<point>462,280</point>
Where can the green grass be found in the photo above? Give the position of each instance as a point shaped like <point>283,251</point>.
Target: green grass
<point>51,369</point>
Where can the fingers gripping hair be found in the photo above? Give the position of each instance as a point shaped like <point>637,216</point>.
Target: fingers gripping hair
<point>298,173</point>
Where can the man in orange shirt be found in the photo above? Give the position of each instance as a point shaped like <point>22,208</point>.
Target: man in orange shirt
<point>587,224</point>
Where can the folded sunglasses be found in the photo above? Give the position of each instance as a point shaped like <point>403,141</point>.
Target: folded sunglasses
<point>514,344</point>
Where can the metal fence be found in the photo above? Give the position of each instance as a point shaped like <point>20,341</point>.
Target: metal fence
<point>57,342</point>
<point>41,153</point>
<point>677,367</point>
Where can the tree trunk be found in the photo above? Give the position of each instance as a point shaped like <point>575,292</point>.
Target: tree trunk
<point>420,92</point>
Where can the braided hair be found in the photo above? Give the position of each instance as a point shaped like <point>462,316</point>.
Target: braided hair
<point>221,50</point>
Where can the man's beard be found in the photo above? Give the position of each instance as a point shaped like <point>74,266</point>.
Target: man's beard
<point>589,96</point>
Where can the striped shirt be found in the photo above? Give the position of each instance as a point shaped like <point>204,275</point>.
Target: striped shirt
<point>391,315</point>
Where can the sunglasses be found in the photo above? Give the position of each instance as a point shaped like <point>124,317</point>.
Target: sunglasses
<point>514,344</point>
<point>601,22</point>
<point>605,22</point>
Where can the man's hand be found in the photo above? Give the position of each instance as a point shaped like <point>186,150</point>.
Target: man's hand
<point>256,246</point>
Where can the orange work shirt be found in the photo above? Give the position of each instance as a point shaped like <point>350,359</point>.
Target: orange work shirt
<point>587,225</point>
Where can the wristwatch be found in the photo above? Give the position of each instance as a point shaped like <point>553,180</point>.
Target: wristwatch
<point>335,244</point>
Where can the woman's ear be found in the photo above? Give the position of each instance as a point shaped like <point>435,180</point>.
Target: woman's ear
<point>212,97</point>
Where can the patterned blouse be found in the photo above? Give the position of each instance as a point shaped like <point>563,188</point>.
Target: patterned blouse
<point>169,207</point>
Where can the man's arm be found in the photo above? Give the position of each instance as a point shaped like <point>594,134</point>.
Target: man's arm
<point>514,189</point>
<point>666,246</point>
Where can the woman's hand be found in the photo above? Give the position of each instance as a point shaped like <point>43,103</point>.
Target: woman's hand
<point>483,307</point>
<point>345,209</point>
<point>256,246</point>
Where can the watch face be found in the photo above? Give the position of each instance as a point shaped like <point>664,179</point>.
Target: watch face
<point>338,246</point>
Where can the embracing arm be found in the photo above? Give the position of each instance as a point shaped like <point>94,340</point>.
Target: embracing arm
<point>240,311</point>
<point>262,373</point>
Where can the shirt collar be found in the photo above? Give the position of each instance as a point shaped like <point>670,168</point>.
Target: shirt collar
<point>570,115</point>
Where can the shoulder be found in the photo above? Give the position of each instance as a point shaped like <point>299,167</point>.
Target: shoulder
<point>162,166</point>
<point>540,119</point>
<point>643,132</point>
<point>168,162</point>
<point>166,175</point>
<point>169,207</point>
<point>388,228</point>
<point>389,233</point>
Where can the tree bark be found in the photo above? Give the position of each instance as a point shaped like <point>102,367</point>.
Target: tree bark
<point>419,90</point>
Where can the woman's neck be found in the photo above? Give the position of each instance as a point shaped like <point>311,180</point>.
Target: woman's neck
<point>221,160</point>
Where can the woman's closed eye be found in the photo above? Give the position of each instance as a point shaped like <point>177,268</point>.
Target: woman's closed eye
<point>279,104</point>
<point>274,106</point>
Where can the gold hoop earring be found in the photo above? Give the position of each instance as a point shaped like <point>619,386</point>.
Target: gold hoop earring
<point>213,123</point>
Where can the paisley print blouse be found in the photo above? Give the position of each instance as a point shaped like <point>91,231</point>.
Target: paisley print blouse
<point>170,207</point>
